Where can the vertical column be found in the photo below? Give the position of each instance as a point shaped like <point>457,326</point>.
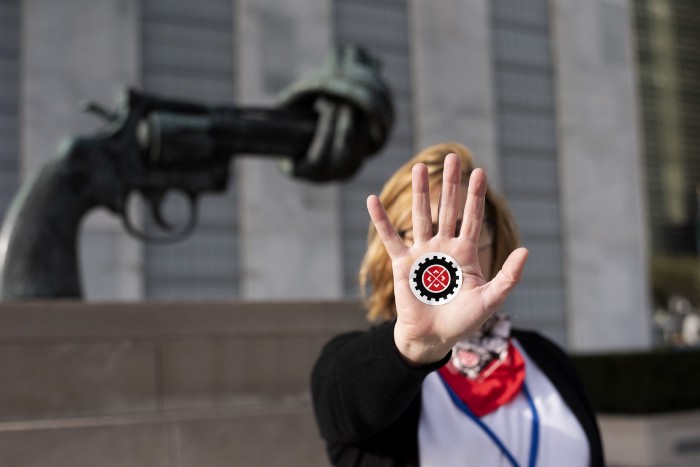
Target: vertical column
<point>606,267</point>
<point>73,50</point>
<point>289,230</point>
<point>453,82</point>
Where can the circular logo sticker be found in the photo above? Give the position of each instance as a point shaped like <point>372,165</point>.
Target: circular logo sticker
<point>435,278</point>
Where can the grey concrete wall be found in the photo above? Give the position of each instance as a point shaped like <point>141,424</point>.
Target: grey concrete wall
<point>201,384</point>
<point>452,78</point>
<point>70,51</point>
<point>289,231</point>
<point>601,180</point>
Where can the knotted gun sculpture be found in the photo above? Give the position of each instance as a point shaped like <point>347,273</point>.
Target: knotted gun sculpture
<point>322,129</point>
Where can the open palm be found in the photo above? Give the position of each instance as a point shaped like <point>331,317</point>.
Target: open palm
<point>425,333</point>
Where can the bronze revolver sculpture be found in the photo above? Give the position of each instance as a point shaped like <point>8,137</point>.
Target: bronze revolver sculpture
<point>322,129</point>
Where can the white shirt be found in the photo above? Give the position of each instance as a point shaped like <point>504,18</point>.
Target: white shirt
<point>448,437</point>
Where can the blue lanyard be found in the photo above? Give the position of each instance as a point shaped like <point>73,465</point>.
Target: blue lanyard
<point>534,441</point>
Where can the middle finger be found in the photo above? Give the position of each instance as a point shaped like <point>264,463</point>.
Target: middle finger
<point>449,199</point>
<point>422,224</point>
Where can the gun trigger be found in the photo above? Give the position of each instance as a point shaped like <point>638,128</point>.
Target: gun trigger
<point>157,212</point>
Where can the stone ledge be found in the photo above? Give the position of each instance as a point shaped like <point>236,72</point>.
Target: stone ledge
<point>288,406</point>
<point>61,320</point>
<point>71,359</point>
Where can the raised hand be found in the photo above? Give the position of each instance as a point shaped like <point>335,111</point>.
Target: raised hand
<point>425,333</point>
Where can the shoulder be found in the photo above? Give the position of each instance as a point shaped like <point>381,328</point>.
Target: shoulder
<point>554,363</point>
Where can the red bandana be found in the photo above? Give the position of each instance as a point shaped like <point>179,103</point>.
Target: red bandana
<point>498,384</point>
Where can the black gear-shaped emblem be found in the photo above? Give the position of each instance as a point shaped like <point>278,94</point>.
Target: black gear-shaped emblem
<point>435,278</point>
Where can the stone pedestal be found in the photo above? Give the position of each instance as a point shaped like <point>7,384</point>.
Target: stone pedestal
<point>160,384</point>
<point>204,384</point>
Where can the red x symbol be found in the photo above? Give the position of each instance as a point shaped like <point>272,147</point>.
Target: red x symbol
<point>436,278</point>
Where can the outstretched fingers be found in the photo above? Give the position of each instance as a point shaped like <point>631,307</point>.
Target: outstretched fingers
<point>495,292</point>
<point>474,211</point>
<point>387,233</point>
<point>449,197</point>
<point>422,223</point>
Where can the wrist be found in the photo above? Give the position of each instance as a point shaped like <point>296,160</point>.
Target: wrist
<point>419,352</point>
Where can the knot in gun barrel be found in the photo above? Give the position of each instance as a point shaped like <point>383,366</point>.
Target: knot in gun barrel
<point>355,115</point>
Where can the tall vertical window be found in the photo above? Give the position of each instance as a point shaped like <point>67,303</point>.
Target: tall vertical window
<point>9,101</point>
<point>668,58</point>
<point>527,146</point>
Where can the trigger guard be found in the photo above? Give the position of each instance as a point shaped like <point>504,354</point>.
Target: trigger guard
<point>164,239</point>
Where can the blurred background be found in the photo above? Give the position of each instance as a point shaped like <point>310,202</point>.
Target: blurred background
<point>583,113</point>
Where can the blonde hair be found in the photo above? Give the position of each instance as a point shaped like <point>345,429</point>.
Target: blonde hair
<point>396,196</point>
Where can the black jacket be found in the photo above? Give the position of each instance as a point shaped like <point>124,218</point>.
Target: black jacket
<point>367,400</point>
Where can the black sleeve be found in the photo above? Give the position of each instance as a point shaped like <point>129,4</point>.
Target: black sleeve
<point>360,384</point>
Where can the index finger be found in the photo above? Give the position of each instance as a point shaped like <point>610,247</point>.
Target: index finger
<point>474,209</point>
<point>387,233</point>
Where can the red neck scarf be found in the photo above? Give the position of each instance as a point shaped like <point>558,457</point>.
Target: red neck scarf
<point>497,384</point>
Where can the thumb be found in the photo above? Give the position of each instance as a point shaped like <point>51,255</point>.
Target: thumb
<point>495,292</point>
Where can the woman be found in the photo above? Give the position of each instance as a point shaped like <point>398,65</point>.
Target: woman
<point>448,384</point>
